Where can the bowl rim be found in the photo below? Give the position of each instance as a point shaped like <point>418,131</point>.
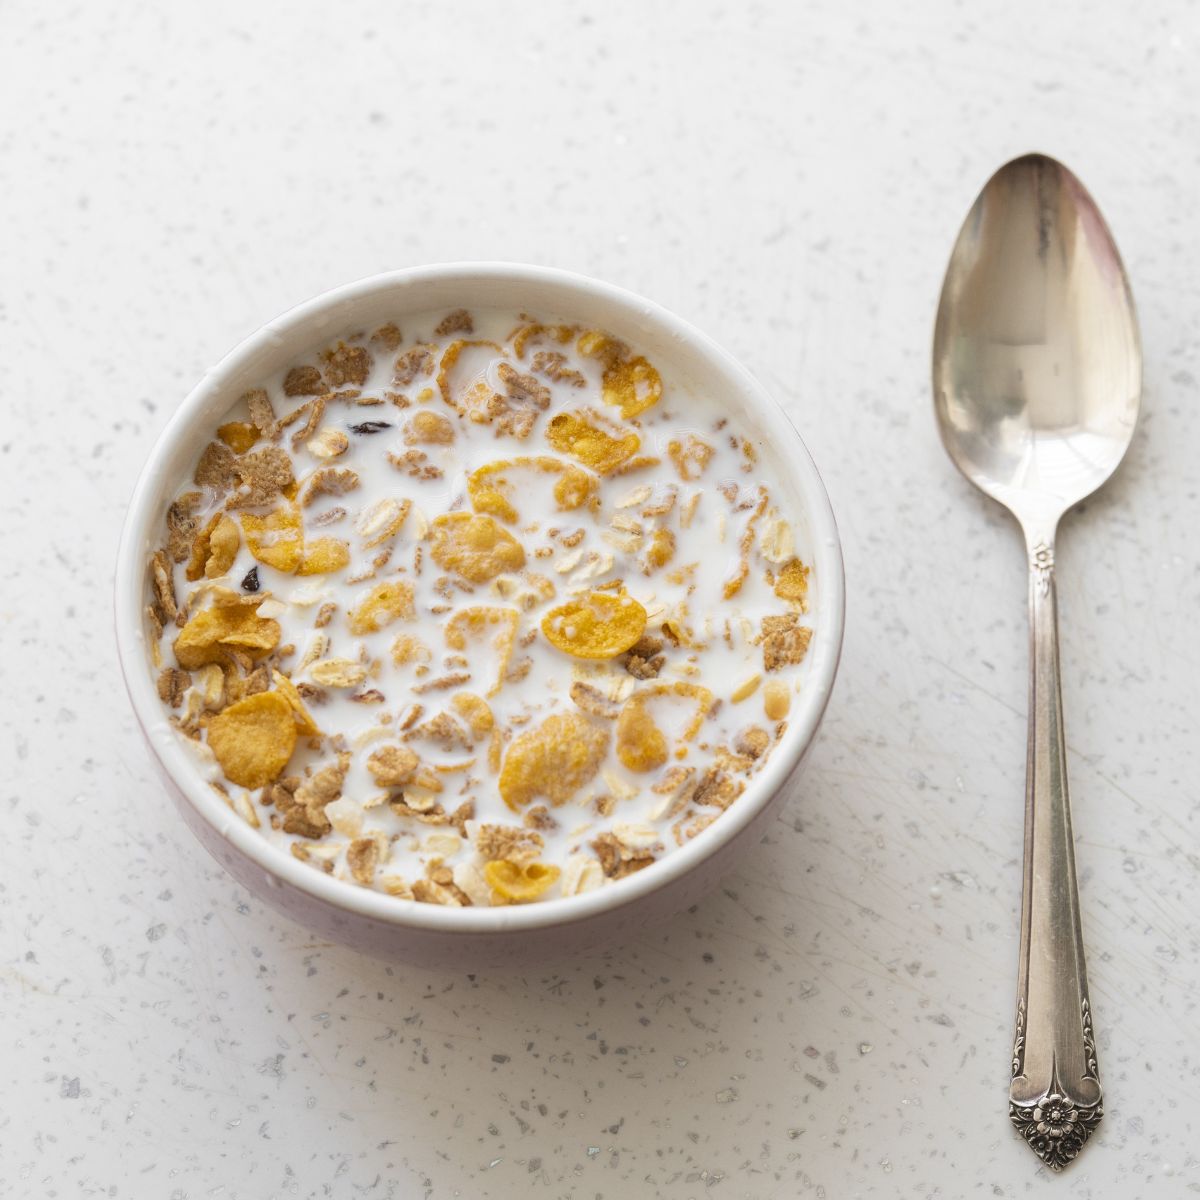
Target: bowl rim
<point>180,768</point>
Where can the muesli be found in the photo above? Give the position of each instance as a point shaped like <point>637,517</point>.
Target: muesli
<point>481,611</point>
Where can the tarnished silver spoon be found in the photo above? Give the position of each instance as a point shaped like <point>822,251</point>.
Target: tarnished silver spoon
<point>1037,370</point>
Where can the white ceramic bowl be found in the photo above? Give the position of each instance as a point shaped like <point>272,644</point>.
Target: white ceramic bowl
<point>427,934</point>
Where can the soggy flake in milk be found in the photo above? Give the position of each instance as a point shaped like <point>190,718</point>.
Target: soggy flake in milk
<point>454,486</point>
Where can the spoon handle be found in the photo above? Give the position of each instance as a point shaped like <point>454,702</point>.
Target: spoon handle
<point>1055,1096</point>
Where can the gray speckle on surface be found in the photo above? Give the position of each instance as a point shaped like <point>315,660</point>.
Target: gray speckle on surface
<point>790,177</point>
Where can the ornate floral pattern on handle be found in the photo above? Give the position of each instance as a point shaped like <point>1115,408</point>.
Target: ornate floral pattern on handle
<point>1055,1126</point>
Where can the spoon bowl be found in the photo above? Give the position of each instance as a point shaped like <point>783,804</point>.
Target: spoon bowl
<point>1036,360</point>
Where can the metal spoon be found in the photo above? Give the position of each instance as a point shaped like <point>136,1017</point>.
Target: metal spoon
<point>1037,369</point>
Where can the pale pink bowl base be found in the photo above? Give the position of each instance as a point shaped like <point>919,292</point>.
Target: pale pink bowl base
<point>429,935</point>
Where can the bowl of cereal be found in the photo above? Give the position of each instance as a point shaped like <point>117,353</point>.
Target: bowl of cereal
<point>479,614</point>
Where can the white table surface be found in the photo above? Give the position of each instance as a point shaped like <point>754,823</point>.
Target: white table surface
<point>835,1021</point>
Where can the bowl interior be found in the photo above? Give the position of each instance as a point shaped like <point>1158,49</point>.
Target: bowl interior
<point>685,356</point>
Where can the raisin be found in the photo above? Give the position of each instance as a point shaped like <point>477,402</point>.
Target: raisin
<point>250,583</point>
<point>370,426</point>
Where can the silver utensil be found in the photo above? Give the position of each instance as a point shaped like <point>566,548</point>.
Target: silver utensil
<point>1037,371</point>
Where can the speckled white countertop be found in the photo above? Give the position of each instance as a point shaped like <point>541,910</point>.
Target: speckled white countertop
<point>836,1020</point>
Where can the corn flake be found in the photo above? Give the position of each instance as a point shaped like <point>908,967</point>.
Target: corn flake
<point>475,711</point>
<point>535,333</point>
<point>253,739</point>
<point>327,444</point>
<point>489,487</point>
<point>223,547</point>
<point>276,539</point>
<point>633,385</point>
<point>428,429</point>
<point>597,625</point>
<point>450,357</point>
<point>324,556</point>
<point>690,456</point>
<point>304,720</point>
<point>212,633</point>
<point>595,343</point>
<point>239,436</point>
<point>474,547</point>
<point>386,602</point>
<point>573,489</point>
<point>512,884</point>
<point>408,649</point>
<point>792,582</point>
<point>553,760</point>
<point>641,745</point>
<point>582,435</point>
<point>660,551</point>
<point>214,548</point>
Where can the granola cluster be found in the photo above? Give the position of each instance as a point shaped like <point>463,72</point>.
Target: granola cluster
<point>481,615</point>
